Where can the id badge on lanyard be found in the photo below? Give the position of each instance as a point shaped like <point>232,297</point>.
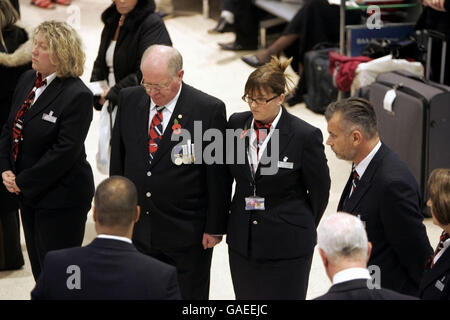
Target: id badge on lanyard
<point>253,202</point>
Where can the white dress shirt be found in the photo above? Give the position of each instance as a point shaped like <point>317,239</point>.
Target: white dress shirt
<point>351,274</point>
<point>254,157</point>
<point>109,236</point>
<point>440,253</point>
<point>362,166</point>
<point>166,112</point>
<point>38,91</point>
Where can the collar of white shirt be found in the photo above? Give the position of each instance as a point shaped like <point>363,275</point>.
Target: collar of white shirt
<point>38,91</point>
<point>262,147</point>
<point>109,236</point>
<point>167,111</point>
<point>351,274</point>
<point>440,253</point>
<point>362,166</point>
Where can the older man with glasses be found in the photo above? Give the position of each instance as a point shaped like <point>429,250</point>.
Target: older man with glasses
<point>184,204</point>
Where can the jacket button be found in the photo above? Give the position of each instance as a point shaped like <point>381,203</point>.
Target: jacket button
<point>147,212</point>
<point>255,222</point>
<point>149,173</point>
<point>148,194</point>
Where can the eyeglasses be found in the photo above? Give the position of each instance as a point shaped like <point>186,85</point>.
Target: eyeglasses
<point>157,87</point>
<point>260,101</point>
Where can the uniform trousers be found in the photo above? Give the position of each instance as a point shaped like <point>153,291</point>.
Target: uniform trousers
<point>255,279</point>
<point>51,229</point>
<point>193,265</point>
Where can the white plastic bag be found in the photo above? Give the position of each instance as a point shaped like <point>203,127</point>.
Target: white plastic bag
<point>106,122</point>
<point>367,72</point>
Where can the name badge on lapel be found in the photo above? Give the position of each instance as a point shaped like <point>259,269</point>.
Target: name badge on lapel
<point>49,117</point>
<point>285,164</point>
<point>439,285</point>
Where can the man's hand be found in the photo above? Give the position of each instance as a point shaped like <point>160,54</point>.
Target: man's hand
<point>210,241</point>
<point>9,180</point>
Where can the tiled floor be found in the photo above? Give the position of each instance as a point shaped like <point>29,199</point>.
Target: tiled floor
<point>210,69</point>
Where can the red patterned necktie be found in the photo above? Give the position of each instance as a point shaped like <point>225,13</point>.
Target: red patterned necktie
<point>155,132</point>
<point>355,180</point>
<point>261,134</point>
<point>444,237</point>
<point>20,116</point>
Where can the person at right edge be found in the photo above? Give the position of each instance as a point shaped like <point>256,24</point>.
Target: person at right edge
<point>274,213</point>
<point>383,193</point>
<point>435,284</point>
<point>436,16</point>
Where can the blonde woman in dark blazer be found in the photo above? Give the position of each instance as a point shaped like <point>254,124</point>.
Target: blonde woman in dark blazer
<point>42,154</point>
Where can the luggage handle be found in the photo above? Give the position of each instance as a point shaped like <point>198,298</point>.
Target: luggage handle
<point>433,34</point>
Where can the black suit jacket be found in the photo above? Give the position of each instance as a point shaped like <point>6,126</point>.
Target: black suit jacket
<point>108,269</point>
<point>178,203</point>
<point>387,200</point>
<point>51,168</point>
<point>357,290</point>
<point>295,199</point>
<point>435,283</point>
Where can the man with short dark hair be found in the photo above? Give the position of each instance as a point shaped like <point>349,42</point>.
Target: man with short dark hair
<point>110,267</point>
<point>382,192</point>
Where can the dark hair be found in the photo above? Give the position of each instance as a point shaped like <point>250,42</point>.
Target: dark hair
<point>115,201</point>
<point>269,77</point>
<point>356,112</point>
<point>439,190</point>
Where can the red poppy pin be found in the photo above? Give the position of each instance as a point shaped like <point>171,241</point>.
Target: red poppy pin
<point>176,128</point>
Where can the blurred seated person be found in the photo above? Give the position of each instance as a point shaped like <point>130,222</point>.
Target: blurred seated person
<point>435,283</point>
<point>317,21</point>
<point>110,267</point>
<point>345,251</point>
<point>226,20</point>
<point>436,16</point>
<point>245,26</point>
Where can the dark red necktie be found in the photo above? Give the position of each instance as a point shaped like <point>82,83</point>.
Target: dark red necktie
<point>355,180</point>
<point>20,116</point>
<point>444,237</point>
<point>262,130</point>
<point>155,133</point>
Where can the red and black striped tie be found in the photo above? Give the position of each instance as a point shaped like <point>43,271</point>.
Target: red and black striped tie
<point>155,132</point>
<point>18,124</point>
<point>262,130</point>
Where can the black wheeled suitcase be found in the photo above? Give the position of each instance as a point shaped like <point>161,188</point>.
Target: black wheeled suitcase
<point>414,121</point>
<point>319,83</point>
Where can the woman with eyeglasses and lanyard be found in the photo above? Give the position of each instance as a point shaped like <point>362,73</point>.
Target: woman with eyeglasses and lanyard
<point>282,187</point>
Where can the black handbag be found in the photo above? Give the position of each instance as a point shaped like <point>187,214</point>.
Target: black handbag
<point>408,48</point>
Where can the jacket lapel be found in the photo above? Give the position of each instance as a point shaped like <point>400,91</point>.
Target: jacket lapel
<point>285,135</point>
<point>366,180</point>
<point>438,270</point>
<point>47,96</point>
<point>142,125</point>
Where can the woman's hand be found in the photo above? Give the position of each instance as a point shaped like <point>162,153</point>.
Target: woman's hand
<point>103,97</point>
<point>9,180</point>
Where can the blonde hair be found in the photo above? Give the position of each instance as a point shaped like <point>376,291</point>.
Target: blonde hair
<point>8,17</point>
<point>269,77</point>
<point>65,48</point>
<point>439,190</point>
